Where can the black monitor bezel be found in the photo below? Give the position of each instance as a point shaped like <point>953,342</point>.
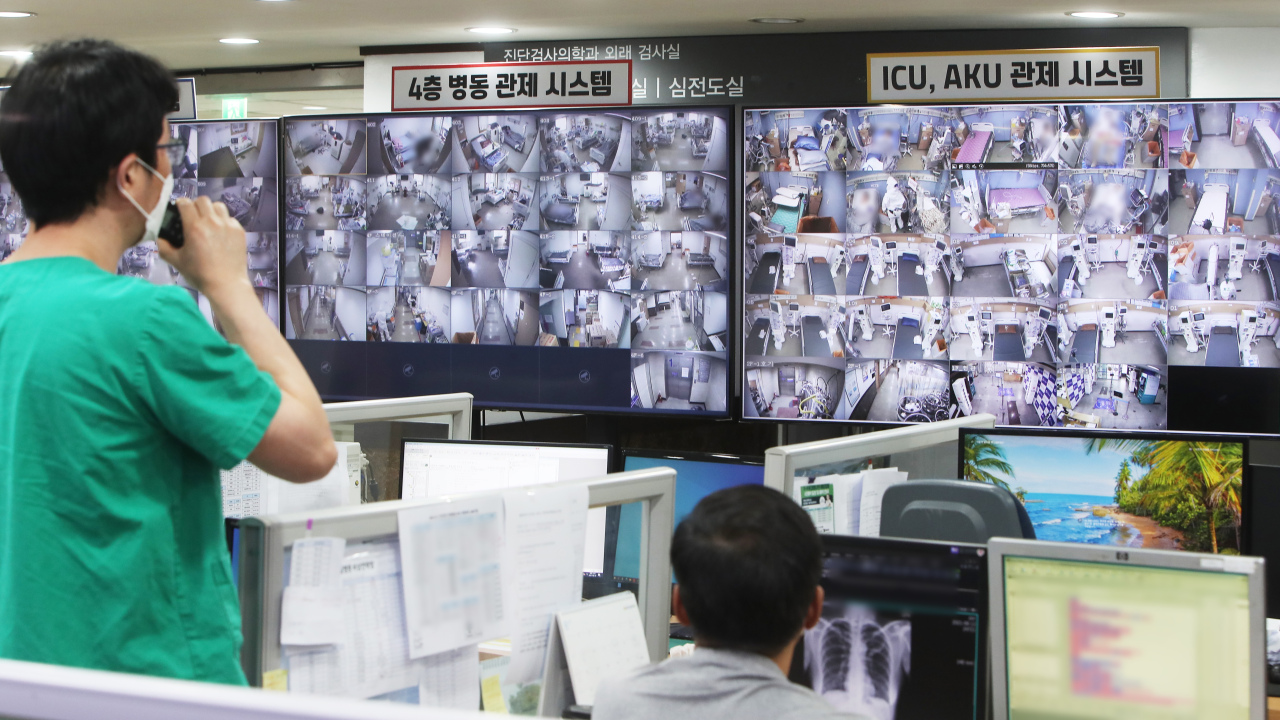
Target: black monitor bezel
<point>689,456</point>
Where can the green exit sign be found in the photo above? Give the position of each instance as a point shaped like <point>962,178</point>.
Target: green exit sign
<point>235,108</point>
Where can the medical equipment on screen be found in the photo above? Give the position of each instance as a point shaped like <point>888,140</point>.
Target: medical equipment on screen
<point>932,259</point>
<point>1211,275</point>
<point>957,263</point>
<point>1082,262</point>
<point>931,329</point>
<point>960,391</point>
<point>793,316</point>
<point>1091,252</point>
<point>1109,327</point>
<point>776,327</point>
<point>1033,333</point>
<point>836,319</point>
<point>1065,333</point>
<point>1235,259</point>
<point>864,321</point>
<point>1248,329</point>
<point>974,330</point>
<point>875,255</point>
<point>1138,250</point>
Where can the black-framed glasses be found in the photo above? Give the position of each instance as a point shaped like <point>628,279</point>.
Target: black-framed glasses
<point>177,152</point>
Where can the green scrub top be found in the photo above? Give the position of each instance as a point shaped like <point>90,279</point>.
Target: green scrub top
<point>118,404</point>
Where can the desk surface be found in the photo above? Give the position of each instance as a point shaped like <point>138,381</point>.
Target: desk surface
<point>1273,708</point>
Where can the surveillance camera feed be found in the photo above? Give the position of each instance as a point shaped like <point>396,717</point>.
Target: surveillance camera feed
<point>583,257</point>
<point>1045,264</point>
<point>1168,492</point>
<point>233,162</point>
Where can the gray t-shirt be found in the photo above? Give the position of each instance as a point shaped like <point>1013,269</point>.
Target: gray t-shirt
<point>711,685</point>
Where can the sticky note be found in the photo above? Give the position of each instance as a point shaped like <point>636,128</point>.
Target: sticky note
<point>276,680</point>
<point>491,694</point>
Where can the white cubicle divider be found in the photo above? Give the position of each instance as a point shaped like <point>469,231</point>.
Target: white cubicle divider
<point>264,541</point>
<point>782,463</point>
<point>455,407</point>
<point>35,691</point>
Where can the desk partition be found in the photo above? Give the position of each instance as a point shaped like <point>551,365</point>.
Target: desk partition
<point>902,445</point>
<point>35,691</point>
<point>265,540</point>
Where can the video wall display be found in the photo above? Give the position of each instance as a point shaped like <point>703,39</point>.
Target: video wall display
<point>555,259</point>
<point>1046,264</point>
<point>233,162</point>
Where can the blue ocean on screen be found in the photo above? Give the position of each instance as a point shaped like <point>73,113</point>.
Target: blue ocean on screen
<point>1070,518</point>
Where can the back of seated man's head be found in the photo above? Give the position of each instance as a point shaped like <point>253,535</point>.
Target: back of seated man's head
<point>74,111</point>
<point>748,562</point>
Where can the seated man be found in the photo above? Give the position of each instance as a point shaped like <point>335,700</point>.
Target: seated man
<point>748,562</point>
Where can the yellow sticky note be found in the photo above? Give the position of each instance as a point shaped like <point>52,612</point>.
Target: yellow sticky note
<point>491,694</point>
<point>276,680</point>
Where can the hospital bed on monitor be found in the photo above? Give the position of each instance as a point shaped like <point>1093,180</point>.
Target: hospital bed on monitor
<point>1212,207</point>
<point>1084,346</point>
<point>1267,142</point>
<point>977,146</point>
<point>807,150</point>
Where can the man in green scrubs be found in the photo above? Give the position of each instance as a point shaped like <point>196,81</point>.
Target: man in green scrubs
<point>118,401</point>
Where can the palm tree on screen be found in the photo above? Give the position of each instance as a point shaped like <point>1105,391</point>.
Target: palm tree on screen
<point>985,462</point>
<point>1208,471</point>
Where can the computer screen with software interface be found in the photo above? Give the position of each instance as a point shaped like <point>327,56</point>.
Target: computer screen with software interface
<point>434,468</point>
<point>903,630</point>
<point>1100,640</point>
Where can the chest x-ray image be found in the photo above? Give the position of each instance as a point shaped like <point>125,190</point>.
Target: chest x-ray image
<point>859,659</point>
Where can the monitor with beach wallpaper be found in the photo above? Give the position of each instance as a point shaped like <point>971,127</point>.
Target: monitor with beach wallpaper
<point>1171,491</point>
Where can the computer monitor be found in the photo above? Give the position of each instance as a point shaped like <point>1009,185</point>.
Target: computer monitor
<point>986,315</point>
<point>1046,314</point>
<point>433,468</point>
<point>697,476</point>
<point>903,630</point>
<point>789,241</point>
<point>1170,491</point>
<point>458,278</point>
<point>1087,632</point>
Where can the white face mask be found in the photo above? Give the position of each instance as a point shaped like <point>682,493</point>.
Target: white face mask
<point>156,216</point>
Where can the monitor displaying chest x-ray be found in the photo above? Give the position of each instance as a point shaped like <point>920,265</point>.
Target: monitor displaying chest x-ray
<point>903,630</point>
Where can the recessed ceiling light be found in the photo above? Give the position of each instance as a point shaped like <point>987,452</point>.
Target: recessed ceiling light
<point>1095,15</point>
<point>308,107</point>
<point>16,14</point>
<point>777,21</point>
<point>491,30</point>
<point>238,41</point>
<point>16,54</point>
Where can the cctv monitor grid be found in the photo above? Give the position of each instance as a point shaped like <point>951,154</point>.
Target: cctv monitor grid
<point>595,229</point>
<point>1045,264</point>
<point>233,162</point>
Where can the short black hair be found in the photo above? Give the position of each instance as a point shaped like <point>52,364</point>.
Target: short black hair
<point>748,561</point>
<point>74,111</point>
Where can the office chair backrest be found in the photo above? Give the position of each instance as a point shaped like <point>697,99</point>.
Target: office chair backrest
<point>952,511</point>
